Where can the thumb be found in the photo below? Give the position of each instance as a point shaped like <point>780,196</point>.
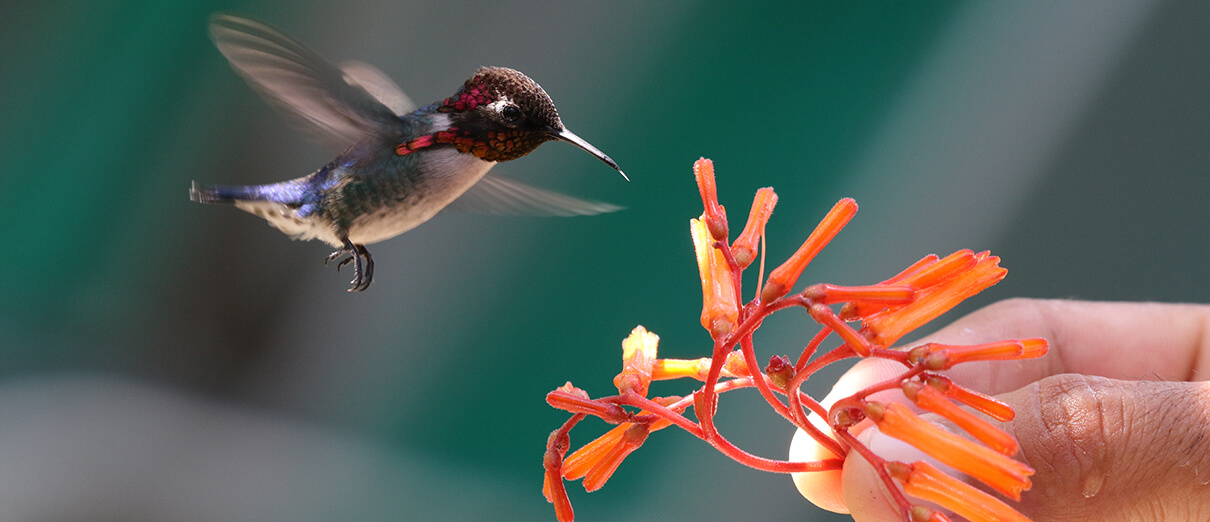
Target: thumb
<point>1103,449</point>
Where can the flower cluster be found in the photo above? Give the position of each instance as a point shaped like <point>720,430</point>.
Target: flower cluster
<point>885,312</point>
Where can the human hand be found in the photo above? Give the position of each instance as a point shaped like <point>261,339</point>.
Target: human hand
<point>1115,419</point>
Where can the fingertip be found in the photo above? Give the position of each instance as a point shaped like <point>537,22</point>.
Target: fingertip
<point>822,488</point>
<point>865,493</point>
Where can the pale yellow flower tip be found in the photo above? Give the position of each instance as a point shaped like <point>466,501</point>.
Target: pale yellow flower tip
<point>638,359</point>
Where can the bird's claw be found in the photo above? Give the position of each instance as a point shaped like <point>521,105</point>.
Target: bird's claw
<point>363,275</point>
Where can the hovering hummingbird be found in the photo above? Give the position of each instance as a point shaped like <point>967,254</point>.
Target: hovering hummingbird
<point>400,165</point>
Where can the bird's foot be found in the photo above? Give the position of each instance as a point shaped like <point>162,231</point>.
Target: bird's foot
<point>363,274</point>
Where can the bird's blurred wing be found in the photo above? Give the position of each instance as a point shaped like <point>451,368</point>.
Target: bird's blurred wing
<point>378,85</point>
<point>338,106</point>
<point>505,196</point>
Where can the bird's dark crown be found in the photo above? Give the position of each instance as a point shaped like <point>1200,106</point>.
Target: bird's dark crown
<point>502,114</point>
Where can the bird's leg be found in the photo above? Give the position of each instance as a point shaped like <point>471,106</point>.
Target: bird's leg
<point>367,274</point>
<point>362,276</point>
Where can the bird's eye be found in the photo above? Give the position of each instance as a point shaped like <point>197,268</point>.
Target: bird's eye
<point>510,113</point>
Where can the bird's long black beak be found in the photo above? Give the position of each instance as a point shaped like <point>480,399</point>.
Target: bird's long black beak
<point>570,137</point>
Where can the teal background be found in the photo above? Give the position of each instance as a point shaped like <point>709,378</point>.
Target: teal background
<point>161,360</point>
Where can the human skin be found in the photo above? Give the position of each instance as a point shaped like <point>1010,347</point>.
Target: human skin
<point>1115,419</point>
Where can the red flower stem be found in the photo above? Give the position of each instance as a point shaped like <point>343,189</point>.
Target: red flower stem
<point>894,355</point>
<point>672,412</point>
<point>811,403</point>
<point>811,348</point>
<point>762,382</point>
<point>719,442</point>
<point>722,387</point>
<point>747,382</point>
<point>770,465</point>
<point>705,412</point>
<point>553,487</point>
<point>633,399</point>
<point>839,353</point>
<point>804,424</point>
<point>722,346</point>
<point>571,423</point>
<point>801,420</point>
<point>879,465</point>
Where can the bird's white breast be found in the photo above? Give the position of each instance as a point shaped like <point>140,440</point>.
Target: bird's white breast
<point>446,175</point>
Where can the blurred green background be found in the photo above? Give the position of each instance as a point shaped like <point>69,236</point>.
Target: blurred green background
<point>161,360</point>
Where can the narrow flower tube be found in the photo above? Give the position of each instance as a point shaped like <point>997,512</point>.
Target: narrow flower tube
<point>782,278</point>
<point>597,460</point>
<point>824,315</point>
<point>576,465</point>
<point>881,294</point>
<point>715,217</point>
<point>940,270</point>
<point>994,469</point>
<point>857,310</point>
<point>666,369</point>
<point>744,247</point>
<point>937,357</point>
<point>923,263</point>
<point>638,358</point>
<point>720,308</point>
<point>931,399</point>
<point>989,406</point>
<point>632,438</point>
<point>924,481</point>
<point>889,325</point>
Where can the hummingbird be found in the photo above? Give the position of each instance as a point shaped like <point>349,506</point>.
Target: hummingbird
<point>400,165</point>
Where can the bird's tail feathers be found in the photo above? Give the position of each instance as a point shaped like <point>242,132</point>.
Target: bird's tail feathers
<point>224,194</point>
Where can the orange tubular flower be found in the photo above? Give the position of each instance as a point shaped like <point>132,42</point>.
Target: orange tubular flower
<point>638,359</point>
<point>576,465</point>
<point>929,398</point>
<point>925,482</point>
<point>782,278</point>
<point>823,315</point>
<point>987,405</point>
<point>597,460</point>
<point>883,294</point>
<point>666,369</point>
<point>715,216</point>
<point>744,248</point>
<point>948,288</point>
<point>994,469</point>
<point>720,308</point>
<point>941,270</point>
<point>938,357</point>
<point>857,310</point>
